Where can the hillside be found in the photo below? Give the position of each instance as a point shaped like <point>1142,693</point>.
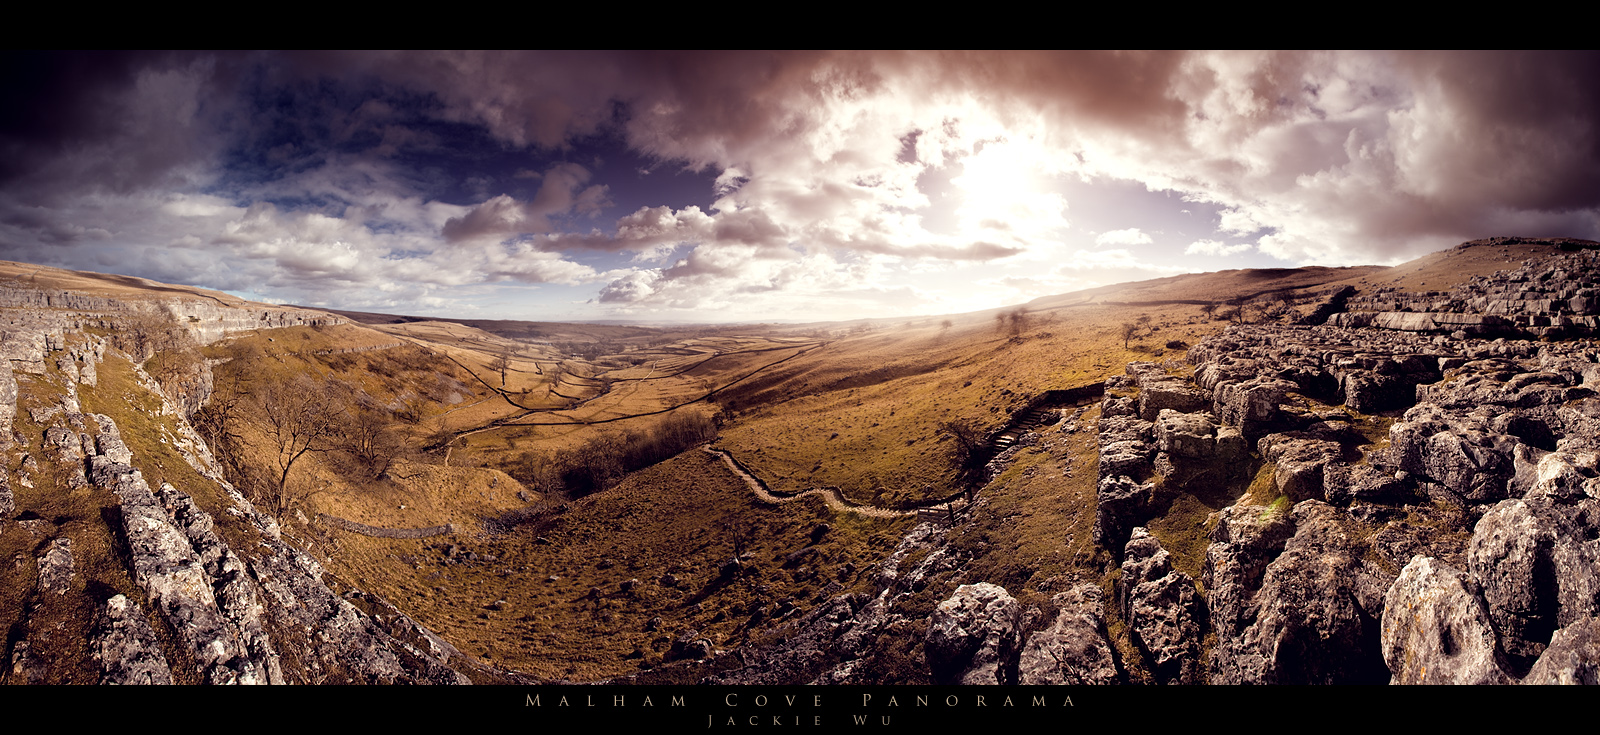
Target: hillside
<point>1137,483</point>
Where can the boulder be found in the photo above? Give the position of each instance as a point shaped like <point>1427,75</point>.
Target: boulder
<point>1075,649</point>
<point>1344,483</point>
<point>971,634</point>
<point>1169,394</point>
<point>1163,610</point>
<point>1253,405</point>
<point>1572,658</point>
<point>55,567</point>
<point>1299,464</point>
<point>1437,630</point>
<point>1189,435</point>
<point>1245,539</point>
<point>1319,608</point>
<point>1538,565</point>
<point>1121,504</point>
<point>126,647</point>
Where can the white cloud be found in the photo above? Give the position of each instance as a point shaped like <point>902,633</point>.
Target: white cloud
<point>1215,247</point>
<point>1130,236</point>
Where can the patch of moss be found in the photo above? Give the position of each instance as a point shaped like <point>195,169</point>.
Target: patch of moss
<point>1263,489</point>
<point>1182,532</point>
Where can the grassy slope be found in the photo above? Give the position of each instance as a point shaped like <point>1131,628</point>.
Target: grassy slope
<point>666,519</point>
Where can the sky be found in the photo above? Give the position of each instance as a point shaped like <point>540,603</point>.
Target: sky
<point>774,186</point>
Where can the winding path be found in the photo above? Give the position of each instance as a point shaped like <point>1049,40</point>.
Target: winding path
<point>830,495</point>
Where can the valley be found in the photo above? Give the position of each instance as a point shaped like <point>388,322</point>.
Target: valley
<point>1131,484</point>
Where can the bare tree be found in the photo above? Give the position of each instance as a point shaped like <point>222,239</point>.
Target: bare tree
<point>1017,321</point>
<point>1128,330</point>
<point>371,442</point>
<point>502,364</point>
<point>302,417</point>
<point>969,447</point>
<point>739,533</point>
<point>1208,309</point>
<point>1237,313</point>
<point>218,424</point>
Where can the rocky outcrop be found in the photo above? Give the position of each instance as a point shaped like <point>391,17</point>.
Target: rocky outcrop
<point>166,566</point>
<point>1454,537</point>
<point>1572,658</point>
<point>8,402</point>
<point>972,634</point>
<point>1163,611</point>
<point>125,646</point>
<point>259,614</point>
<point>1552,296</point>
<point>834,642</point>
<point>1537,562</point>
<point>225,608</point>
<point>1436,629</point>
<point>1314,615</point>
<point>1076,648</point>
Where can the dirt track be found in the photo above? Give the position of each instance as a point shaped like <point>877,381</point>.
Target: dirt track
<point>830,495</point>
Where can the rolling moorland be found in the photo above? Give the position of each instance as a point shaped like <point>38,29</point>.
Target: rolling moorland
<point>1313,475</point>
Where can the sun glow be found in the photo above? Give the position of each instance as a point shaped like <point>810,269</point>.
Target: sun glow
<point>1003,193</point>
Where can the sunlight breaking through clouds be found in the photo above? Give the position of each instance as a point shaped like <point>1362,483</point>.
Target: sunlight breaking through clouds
<point>777,185</point>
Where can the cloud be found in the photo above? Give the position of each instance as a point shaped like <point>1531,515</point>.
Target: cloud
<point>1214,247</point>
<point>562,193</point>
<point>1130,236</point>
<point>408,175</point>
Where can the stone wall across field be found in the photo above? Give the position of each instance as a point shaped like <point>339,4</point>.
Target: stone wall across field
<point>381,532</point>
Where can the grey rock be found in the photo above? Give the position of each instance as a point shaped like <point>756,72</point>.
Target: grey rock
<point>109,444</point>
<point>1572,658</point>
<point>1318,610</point>
<point>971,634</point>
<point>1254,406</point>
<point>1538,564</point>
<point>126,647</point>
<point>165,565</point>
<point>8,504</point>
<point>1343,484</point>
<point>1169,394</point>
<point>1192,435</point>
<point>1121,504</point>
<point>1300,463</point>
<point>1163,610</point>
<point>1075,649</point>
<point>1437,630</point>
<point>8,401</point>
<point>1244,541</point>
<point>55,567</point>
